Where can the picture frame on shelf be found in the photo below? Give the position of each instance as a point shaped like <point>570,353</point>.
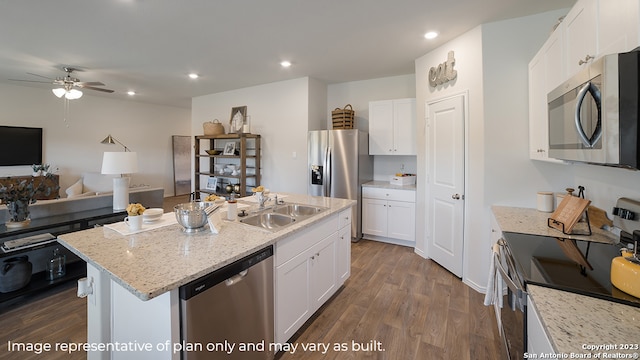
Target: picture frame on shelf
<point>229,148</point>
<point>212,183</point>
<point>236,121</point>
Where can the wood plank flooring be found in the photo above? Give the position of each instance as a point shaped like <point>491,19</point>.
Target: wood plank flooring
<point>396,305</point>
<point>408,306</point>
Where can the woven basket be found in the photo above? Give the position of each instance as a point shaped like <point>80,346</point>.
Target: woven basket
<point>213,128</point>
<point>343,118</point>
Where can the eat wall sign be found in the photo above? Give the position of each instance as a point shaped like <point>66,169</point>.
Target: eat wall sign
<point>444,72</point>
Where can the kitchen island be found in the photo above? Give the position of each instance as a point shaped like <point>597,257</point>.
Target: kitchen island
<point>135,278</point>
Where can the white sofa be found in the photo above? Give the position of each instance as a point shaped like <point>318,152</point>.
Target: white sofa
<point>91,191</point>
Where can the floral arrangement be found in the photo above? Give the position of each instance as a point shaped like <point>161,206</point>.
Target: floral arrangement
<point>135,209</point>
<point>24,190</point>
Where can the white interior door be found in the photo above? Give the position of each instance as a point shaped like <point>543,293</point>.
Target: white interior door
<point>445,184</point>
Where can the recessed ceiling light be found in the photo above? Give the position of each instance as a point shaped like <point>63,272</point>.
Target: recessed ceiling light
<point>431,35</point>
<point>285,64</point>
<point>194,76</point>
<point>131,92</point>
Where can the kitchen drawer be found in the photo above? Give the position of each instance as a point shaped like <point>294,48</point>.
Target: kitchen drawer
<point>293,245</point>
<point>389,194</point>
<point>344,218</point>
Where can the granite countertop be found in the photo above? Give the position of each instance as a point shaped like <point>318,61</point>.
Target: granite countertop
<point>387,185</point>
<point>534,222</point>
<point>578,324</point>
<point>150,263</point>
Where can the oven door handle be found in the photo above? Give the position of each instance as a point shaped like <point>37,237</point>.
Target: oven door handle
<point>518,291</point>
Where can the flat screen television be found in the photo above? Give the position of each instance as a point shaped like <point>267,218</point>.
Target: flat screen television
<point>20,145</point>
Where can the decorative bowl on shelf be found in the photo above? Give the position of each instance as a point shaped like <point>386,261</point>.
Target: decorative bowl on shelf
<point>213,152</point>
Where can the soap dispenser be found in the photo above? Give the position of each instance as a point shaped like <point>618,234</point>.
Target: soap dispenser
<point>56,267</point>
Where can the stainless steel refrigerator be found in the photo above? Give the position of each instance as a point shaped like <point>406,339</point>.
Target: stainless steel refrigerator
<point>339,163</point>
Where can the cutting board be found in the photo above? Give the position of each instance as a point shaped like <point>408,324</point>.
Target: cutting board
<point>598,218</point>
<point>568,213</point>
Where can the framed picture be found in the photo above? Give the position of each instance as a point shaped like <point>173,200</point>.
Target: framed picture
<point>229,148</point>
<point>238,114</point>
<point>212,183</point>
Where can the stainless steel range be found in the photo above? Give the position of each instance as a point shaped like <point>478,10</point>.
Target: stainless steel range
<point>529,259</point>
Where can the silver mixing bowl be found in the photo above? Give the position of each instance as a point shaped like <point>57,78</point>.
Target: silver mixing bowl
<point>191,215</point>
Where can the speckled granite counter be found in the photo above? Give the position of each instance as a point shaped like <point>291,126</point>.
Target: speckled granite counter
<point>574,322</point>
<point>534,222</point>
<point>387,185</point>
<point>153,262</point>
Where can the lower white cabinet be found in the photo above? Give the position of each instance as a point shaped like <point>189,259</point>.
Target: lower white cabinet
<point>389,215</point>
<point>537,340</point>
<point>310,267</point>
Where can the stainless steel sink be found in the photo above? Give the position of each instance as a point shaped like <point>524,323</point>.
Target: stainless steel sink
<point>283,215</point>
<point>268,220</point>
<point>298,210</point>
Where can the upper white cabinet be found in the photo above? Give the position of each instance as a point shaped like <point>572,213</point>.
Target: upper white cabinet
<point>545,73</point>
<point>392,125</point>
<point>617,33</point>
<point>581,35</point>
<point>591,29</point>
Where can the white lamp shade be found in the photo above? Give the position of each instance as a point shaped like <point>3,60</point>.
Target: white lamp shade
<point>123,162</point>
<point>59,92</point>
<point>73,94</point>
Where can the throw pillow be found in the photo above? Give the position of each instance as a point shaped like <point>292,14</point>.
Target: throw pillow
<point>75,189</point>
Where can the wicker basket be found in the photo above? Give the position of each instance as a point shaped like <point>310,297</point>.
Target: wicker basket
<point>213,128</point>
<point>343,118</point>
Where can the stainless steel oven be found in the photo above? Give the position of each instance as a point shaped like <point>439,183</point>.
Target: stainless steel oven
<point>529,259</point>
<point>514,303</point>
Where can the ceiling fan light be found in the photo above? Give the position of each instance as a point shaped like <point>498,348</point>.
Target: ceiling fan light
<point>59,92</point>
<point>73,94</point>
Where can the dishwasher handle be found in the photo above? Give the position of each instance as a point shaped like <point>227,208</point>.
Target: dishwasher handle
<point>236,278</point>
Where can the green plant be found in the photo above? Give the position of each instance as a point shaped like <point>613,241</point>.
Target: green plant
<point>25,190</point>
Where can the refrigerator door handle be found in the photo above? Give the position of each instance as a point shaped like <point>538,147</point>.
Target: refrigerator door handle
<point>327,172</point>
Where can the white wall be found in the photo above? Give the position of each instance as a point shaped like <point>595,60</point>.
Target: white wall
<point>491,61</point>
<point>74,147</point>
<point>280,112</point>
<point>358,94</point>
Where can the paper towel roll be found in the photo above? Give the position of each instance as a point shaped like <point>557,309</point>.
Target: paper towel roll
<point>545,201</point>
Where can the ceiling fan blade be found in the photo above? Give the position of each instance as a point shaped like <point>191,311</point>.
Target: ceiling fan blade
<point>40,76</point>
<point>35,81</point>
<point>88,83</point>
<point>98,89</point>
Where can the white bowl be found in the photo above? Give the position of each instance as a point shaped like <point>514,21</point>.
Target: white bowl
<point>152,214</point>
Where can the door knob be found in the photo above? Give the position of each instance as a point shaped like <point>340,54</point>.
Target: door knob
<point>455,196</point>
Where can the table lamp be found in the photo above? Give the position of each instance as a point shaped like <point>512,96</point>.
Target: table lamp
<point>122,163</point>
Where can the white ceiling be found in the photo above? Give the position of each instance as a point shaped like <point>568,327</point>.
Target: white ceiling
<point>151,45</point>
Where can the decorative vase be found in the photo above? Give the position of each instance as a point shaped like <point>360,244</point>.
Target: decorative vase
<point>18,213</point>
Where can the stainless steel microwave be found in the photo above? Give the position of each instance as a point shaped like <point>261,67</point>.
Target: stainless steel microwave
<point>593,117</point>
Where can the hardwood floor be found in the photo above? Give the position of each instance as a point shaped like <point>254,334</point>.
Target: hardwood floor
<point>395,305</point>
<point>408,306</point>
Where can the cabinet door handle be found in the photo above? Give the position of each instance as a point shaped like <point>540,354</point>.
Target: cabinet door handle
<point>586,60</point>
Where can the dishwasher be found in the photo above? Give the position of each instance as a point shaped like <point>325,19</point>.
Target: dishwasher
<point>228,314</point>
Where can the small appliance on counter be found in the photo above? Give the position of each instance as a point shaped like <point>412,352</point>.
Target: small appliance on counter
<point>625,269</point>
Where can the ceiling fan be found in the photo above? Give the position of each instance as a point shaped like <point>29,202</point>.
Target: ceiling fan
<point>67,84</point>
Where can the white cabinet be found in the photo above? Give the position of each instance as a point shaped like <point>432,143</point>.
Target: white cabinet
<point>389,215</point>
<point>581,35</point>
<point>537,340</point>
<point>545,73</point>
<point>309,269</point>
<point>617,32</point>
<point>392,127</point>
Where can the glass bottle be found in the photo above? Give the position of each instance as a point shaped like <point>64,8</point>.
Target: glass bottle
<point>56,267</point>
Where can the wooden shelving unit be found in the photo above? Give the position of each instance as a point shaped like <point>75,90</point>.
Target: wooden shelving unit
<point>247,156</point>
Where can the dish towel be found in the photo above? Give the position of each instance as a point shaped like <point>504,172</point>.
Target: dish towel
<point>494,284</point>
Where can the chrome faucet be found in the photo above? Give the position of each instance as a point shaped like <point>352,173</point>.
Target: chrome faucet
<point>262,199</point>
